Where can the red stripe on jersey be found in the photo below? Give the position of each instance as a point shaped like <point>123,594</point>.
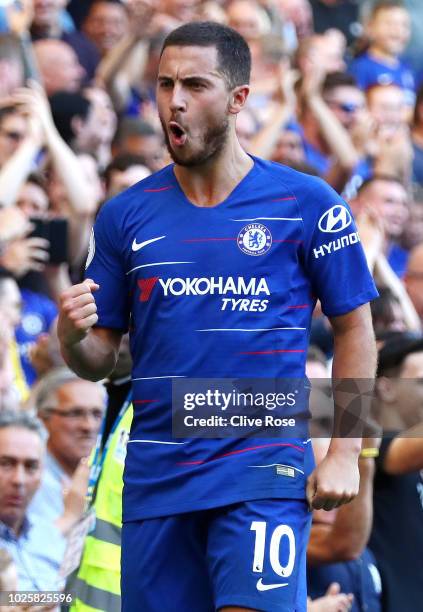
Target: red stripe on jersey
<point>146,286</point>
<point>145,401</point>
<point>284,199</point>
<point>272,352</point>
<point>251,448</point>
<point>300,306</point>
<point>159,189</point>
<point>242,450</point>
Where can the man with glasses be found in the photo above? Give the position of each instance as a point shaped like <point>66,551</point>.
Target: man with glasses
<point>343,96</point>
<point>72,411</point>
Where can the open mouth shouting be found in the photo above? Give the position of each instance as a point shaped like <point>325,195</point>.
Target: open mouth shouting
<point>177,134</point>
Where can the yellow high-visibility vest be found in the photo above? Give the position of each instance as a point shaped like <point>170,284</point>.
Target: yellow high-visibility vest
<point>97,584</point>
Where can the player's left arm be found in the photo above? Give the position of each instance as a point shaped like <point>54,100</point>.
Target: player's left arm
<point>336,480</point>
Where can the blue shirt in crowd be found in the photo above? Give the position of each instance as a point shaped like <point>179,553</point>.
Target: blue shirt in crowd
<point>358,576</point>
<point>371,71</point>
<point>38,314</point>
<point>37,551</point>
<point>48,500</point>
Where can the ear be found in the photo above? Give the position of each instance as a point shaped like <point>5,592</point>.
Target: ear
<point>386,389</point>
<point>238,98</point>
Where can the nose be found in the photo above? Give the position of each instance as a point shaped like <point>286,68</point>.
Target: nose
<point>178,101</point>
<point>19,476</point>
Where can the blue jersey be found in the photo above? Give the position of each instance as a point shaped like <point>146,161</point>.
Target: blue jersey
<point>217,292</point>
<point>370,71</point>
<point>38,314</point>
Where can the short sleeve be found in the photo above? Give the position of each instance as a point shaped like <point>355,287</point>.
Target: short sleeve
<point>333,256</point>
<point>105,266</point>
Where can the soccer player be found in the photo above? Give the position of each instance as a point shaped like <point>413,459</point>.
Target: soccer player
<point>215,264</point>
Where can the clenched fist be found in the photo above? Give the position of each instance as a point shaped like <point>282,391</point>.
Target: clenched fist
<point>77,312</point>
<point>334,482</point>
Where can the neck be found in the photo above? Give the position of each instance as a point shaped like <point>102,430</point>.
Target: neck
<point>15,524</point>
<point>390,419</point>
<point>213,181</point>
<point>383,55</point>
<point>68,466</point>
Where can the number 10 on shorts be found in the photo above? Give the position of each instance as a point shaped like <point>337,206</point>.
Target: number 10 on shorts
<point>280,533</point>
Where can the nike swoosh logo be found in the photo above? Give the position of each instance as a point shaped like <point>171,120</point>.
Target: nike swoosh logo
<point>267,587</point>
<point>136,246</point>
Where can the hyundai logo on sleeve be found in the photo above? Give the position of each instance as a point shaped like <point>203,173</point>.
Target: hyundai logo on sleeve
<point>335,219</point>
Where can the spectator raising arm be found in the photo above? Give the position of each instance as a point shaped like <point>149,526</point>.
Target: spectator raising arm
<point>65,162</point>
<point>115,70</point>
<point>19,18</point>
<point>385,276</point>
<point>80,194</point>
<point>263,143</point>
<point>74,498</point>
<point>16,169</point>
<point>336,136</point>
<point>372,237</point>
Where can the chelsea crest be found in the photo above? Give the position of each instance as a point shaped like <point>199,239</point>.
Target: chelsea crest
<point>254,239</point>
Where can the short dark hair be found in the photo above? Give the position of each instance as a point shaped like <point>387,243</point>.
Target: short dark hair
<point>388,178</point>
<point>65,106</point>
<point>338,79</point>
<point>133,126</point>
<point>121,163</point>
<point>233,52</point>
<point>95,2</point>
<point>37,179</point>
<point>382,5</point>
<point>382,309</point>
<point>394,351</point>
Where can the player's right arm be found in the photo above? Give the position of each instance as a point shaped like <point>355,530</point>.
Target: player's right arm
<point>90,352</point>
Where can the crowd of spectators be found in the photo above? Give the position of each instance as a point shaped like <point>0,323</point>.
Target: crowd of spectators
<point>336,91</point>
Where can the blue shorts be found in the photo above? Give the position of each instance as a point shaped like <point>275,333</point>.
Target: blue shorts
<point>251,554</point>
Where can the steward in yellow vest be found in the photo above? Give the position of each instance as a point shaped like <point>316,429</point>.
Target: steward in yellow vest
<point>97,584</point>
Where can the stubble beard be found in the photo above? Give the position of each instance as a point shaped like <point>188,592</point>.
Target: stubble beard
<point>214,141</point>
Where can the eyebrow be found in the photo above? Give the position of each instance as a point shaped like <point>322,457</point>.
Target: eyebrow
<point>19,459</point>
<point>189,79</point>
